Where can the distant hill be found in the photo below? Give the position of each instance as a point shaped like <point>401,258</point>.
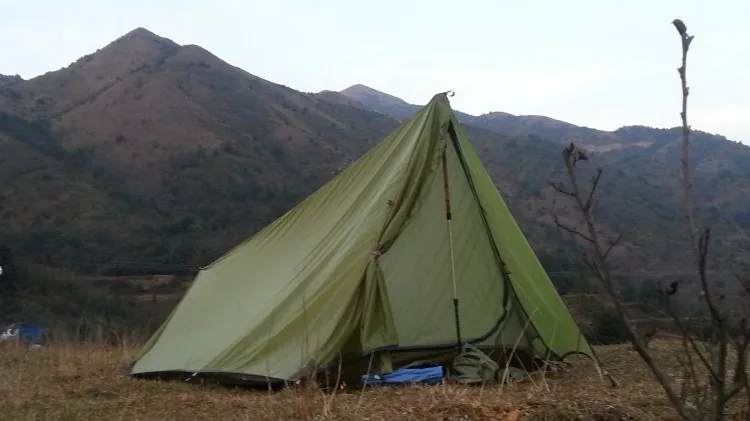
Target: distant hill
<point>149,156</point>
<point>380,101</point>
<point>625,138</point>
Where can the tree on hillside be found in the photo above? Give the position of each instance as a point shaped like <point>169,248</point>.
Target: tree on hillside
<point>714,383</point>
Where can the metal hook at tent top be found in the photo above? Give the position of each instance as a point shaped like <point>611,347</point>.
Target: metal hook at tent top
<point>449,93</point>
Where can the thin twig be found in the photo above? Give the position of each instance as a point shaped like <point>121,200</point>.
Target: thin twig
<point>571,230</point>
<point>594,183</point>
<point>560,190</point>
<point>614,243</point>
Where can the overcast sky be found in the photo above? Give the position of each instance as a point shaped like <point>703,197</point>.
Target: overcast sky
<point>595,63</point>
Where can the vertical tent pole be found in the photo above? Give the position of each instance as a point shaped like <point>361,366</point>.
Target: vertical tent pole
<point>448,217</point>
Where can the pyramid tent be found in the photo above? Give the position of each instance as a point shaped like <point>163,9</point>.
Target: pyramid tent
<point>366,265</point>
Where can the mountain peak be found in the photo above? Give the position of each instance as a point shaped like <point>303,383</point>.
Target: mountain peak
<point>100,70</point>
<point>141,31</point>
<point>359,91</point>
<point>140,36</point>
<point>375,99</point>
<point>358,87</point>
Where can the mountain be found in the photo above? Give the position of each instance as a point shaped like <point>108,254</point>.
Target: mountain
<point>149,156</point>
<point>7,80</point>
<point>162,153</point>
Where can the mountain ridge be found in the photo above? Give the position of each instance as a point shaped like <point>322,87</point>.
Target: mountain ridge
<point>162,154</point>
<point>394,106</point>
<point>9,79</point>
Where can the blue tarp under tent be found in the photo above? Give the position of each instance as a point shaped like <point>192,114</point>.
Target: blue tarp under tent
<point>420,375</point>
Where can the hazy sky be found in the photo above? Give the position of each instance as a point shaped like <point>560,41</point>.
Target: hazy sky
<point>594,63</point>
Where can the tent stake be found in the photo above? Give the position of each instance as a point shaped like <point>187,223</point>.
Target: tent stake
<point>448,217</point>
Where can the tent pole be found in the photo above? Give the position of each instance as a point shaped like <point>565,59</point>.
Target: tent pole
<point>448,217</point>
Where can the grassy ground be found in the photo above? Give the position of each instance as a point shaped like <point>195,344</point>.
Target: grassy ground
<point>85,382</point>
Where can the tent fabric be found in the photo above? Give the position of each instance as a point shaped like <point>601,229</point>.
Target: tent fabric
<point>363,265</point>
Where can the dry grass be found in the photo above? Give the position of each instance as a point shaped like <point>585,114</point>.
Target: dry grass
<point>85,382</point>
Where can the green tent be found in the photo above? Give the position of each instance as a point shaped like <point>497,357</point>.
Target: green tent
<point>366,267</point>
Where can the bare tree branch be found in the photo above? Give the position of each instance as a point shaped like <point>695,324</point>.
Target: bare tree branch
<point>597,263</point>
<point>728,377</point>
<point>560,190</point>
<point>594,184</point>
<point>612,244</point>
<point>722,392</point>
<point>571,230</point>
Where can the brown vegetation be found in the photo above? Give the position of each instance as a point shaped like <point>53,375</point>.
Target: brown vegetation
<point>85,381</point>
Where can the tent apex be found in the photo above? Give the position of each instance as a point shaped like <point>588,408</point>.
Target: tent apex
<point>442,97</point>
<point>446,94</point>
